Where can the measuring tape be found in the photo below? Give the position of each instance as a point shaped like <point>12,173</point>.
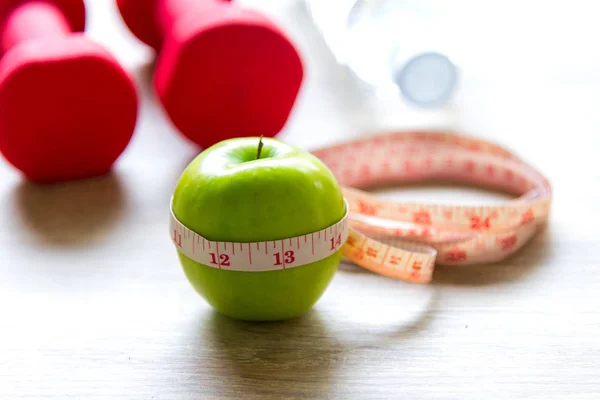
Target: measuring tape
<point>402,240</point>
<point>260,256</point>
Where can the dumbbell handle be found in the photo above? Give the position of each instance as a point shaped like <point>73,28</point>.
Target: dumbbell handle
<point>33,20</point>
<point>168,11</point>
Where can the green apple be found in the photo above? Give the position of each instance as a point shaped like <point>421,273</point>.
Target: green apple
<point>228,194</point>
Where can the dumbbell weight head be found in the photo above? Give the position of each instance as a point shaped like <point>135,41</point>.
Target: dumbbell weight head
<point>222,71</point>
<point>67,108</point>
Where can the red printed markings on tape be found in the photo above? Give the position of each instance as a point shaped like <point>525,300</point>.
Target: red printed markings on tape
<point>405,240</point>
<point>260,256</point>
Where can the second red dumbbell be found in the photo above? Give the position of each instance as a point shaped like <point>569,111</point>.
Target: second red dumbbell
<point>223,71</point>
<point>67,108</point>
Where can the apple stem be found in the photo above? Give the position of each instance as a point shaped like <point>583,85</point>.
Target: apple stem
<point>260,146</point>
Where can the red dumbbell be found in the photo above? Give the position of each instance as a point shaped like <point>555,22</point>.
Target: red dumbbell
<point>67,108</point>
<point>222,71</point>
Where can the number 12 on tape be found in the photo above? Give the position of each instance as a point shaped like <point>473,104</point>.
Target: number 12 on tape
<point>260,256</point>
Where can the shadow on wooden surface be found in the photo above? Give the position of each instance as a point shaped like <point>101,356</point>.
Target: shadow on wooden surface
<point>70,214</point>
<point>412,305</point>
<point>392,315</point>
<point>255,359</point>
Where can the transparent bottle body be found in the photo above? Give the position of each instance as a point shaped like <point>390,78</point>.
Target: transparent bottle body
<point>395,47</point>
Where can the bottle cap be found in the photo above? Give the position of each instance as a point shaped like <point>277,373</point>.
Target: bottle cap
<point>426,79</point>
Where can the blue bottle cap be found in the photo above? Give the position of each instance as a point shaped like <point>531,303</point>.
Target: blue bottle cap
<point>427,79</point>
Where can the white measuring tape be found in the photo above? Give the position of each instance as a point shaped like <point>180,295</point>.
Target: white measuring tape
<point>402,240</point>
<point>260,256</point>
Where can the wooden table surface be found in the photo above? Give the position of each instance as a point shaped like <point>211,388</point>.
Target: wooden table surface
<point>88,311</point>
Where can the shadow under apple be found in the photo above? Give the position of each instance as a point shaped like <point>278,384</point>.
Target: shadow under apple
<point>255,360</point>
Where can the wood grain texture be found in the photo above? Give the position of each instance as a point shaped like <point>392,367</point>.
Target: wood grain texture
<point>85,313</point>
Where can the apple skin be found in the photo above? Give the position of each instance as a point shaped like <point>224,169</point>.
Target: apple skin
<point>226,194</point>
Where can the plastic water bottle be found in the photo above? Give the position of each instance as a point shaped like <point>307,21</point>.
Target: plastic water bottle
<point>395,47</point>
